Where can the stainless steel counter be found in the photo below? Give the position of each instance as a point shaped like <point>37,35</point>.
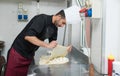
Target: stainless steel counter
<point>78,66</point>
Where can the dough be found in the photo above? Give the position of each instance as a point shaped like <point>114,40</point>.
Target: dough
<point>59,60</point>
<point>57,56</point>
<point>59,51</point>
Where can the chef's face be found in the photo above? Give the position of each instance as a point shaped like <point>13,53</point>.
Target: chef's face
<point>60,22</point>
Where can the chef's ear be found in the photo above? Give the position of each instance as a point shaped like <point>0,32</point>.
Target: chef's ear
<point>59,16</point>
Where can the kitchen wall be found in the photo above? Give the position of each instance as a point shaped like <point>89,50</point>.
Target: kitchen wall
<point>10,27</point>
<point>111,23</point>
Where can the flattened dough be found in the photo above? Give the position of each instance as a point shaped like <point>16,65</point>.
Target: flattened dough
<point>59,51</point>
<point>57,56</point>
<point>59,60</point>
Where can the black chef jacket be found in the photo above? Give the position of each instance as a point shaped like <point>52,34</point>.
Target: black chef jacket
<point>40,26</point>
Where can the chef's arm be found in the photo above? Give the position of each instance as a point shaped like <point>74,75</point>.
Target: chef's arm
<point>34,40</point>
<point>53,37</point>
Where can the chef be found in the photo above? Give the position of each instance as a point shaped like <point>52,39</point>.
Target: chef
<point>32,37</point>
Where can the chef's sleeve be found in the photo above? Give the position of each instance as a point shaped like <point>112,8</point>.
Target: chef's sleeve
<point>54,37</point>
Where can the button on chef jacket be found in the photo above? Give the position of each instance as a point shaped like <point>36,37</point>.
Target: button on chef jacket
<point>40,26</point>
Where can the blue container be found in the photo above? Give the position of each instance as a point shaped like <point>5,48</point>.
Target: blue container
<point>89,11</point>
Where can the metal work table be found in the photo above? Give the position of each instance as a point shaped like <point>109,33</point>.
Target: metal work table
<point>77,66</point>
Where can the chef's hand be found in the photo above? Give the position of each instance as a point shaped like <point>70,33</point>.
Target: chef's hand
<point>52,44</point>
<point>69,48</point>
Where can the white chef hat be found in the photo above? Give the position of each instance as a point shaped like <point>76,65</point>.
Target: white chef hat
<point>72,15</point>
